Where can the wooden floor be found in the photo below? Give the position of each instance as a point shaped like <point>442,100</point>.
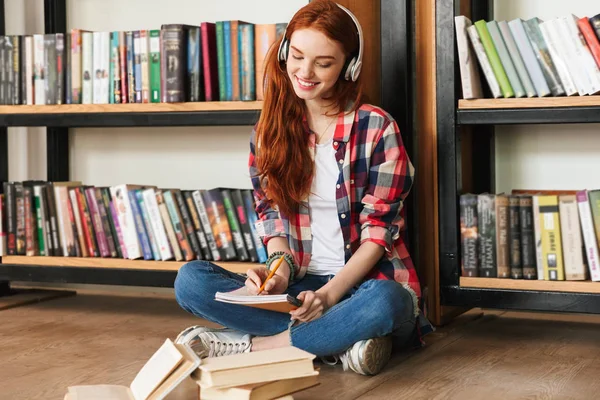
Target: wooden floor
<point>95,338</point>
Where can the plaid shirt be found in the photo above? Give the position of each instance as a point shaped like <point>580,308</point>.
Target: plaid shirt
<point>375,178</point>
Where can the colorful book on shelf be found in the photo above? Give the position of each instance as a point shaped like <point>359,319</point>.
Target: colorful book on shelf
<point>496,64</point>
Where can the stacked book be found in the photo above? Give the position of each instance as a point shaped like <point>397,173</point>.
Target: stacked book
<point>211,61</point>
<point>263,375</point>
<point>530,234</point>
<point>70,219</point>
<point>529,58</point>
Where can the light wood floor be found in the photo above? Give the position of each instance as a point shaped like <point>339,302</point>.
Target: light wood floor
<point>94,338</point>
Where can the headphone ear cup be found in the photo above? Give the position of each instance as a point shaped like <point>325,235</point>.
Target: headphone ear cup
<point>283,50</point>
<point>348,75</point>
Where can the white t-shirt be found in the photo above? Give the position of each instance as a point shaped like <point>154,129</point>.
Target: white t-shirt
<point>327,256</point>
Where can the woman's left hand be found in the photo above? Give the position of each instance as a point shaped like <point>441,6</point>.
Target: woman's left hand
<point>314,304</point>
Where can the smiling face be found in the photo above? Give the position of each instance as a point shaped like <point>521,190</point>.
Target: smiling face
<point>314,63</point>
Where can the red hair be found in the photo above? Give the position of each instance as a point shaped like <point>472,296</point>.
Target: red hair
<point>283,160</point>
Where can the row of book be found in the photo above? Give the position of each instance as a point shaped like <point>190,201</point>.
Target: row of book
<point>128,221</point>
<point>214,61</point>
<point>544,235</point>
<point>529,58</point>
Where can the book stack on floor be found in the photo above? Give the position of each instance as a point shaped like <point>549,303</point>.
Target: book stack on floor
<point>532,58</point>
<point>174,369</point>
<point>208,61</point>
<point>531,234</point>
<point>262,375</point>
<point>70,219</point>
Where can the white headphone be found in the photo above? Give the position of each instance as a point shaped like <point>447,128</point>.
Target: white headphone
<point>355,64</point>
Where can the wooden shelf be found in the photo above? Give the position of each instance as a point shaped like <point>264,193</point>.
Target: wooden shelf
<point>114,263</point>
<point>131,107</point>
<point>533,102</point>
<point>135,114</point>
<point>532,285</point>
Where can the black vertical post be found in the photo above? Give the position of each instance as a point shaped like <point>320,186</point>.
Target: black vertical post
<point>3,129</point>
<point>4,285</point>
<point>484,148</point>
<point>397,79</point>
<point>447,145</point>
<point>57,138</point>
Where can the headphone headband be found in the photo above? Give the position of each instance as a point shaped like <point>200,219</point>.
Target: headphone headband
<point>354,66</point>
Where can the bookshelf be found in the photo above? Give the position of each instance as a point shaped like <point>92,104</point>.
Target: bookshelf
<point>385,33</point>
<point>465,163</point>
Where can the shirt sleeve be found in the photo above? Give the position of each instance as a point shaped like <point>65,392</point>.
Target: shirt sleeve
<point>269,223</point>
<point>390,180</point>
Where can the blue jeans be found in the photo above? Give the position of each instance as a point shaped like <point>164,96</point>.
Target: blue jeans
<point>373,309</point>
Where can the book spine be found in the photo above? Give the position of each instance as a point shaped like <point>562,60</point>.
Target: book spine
<point>67,76</point>
<point>589,236</point>
<point>8,70</point>
<point>528,258</point>
<point>234,51</point>
<point>145,65</point>
<point>502,246</point>
<point>484,62</point>
<point>31,248</point>
<point>137,65</point>
<point>39,216</point>
<point>60,68</point>
<point>53,220</point>
<point>90,194</point>
<point>469,235</point>
<point>247,72</point>
<point>187,224</point>
<point>157,224</point>
<point>155,96</point>
<point>29,70</point>
<point>123,207</point>
<point>572,246</point>
<point>197,226</point>
<point>590,37</point>
<point>11,219</point>
<point>514,238</point>
<point>20,213</point>
<point>76,66</point>
<point>551,238</point>
<point>252,218</point>
<point>222,73</point>
<point>166,219</point>
<point>495,63</point>
<point>178,226</point>
<point>486,219</point>
<point>238,205</point>
<point>50,64</point>
<point>86,222</point>
<point>147,224</point>
<point>130,67</point>
<point>529,59</point>
<point>123,77</point>
<point>173,64</point>
<point>87,67</point>
<point>234,226</point>
<point>139,226</point>
<point>115,71</point>
<point>548,33</point>
<point>115,218</point>
<point>39,70</point>
<point>193,64</point>
<point>102,199</point>
<point>2,226</point>
<point>16,69</point>
<point>210,67</point>
<point>215,208</point>
<point>212,244</point>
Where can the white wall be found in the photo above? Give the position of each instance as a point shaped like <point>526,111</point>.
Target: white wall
<point>182,157</point>
<point>546,156</point>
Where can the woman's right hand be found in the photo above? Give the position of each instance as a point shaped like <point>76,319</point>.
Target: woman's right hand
<point>276,285</point>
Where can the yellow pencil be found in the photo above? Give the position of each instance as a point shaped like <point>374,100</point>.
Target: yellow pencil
<point>270,275</point>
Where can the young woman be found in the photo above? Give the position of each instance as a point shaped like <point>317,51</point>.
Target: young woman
<point>330,176</point>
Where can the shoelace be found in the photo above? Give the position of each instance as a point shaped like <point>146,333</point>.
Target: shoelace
<point>218,348</point>
<point>337,358</point>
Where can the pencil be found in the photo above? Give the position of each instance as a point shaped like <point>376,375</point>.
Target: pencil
<point>262,287</point>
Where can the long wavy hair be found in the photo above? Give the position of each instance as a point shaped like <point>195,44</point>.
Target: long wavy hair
<point>283,160</point>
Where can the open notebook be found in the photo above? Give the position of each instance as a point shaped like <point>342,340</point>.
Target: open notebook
<point>166,369</point>
<point>274,302</point>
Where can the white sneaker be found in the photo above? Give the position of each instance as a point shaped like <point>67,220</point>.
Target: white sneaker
<point>366,357</point>
<point>213,342</point>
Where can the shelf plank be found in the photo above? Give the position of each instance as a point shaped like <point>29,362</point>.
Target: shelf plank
<point>115,263</point>
<point>132,107</point>
<point>132,115</point>
<point>532,285</point>
<point>533,102</point>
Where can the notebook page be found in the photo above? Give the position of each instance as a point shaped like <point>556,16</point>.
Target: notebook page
<point>156,369</point>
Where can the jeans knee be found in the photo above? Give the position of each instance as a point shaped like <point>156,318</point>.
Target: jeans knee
<point>391,304</point>
<point>188,280</point>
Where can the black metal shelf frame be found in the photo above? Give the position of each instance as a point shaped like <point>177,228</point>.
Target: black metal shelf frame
<point>450,170</point>
<point>397,97</point>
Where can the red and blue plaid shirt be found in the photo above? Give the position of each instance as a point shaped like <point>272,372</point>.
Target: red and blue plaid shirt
<point>375,177</point>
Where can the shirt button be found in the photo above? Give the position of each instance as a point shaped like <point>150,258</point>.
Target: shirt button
<point>347,246</point>
<point>341,161</point>
<point>343,215</point>
<point>338,186</point>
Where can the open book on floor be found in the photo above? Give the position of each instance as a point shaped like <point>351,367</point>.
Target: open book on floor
<point>278,389</point>
<point>166,369</point>
<point>274,302</point>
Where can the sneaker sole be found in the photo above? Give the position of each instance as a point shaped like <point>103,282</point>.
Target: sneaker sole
<point>377,353</point>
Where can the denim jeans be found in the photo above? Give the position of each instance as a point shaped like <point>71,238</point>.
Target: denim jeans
<point>375,308</point>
